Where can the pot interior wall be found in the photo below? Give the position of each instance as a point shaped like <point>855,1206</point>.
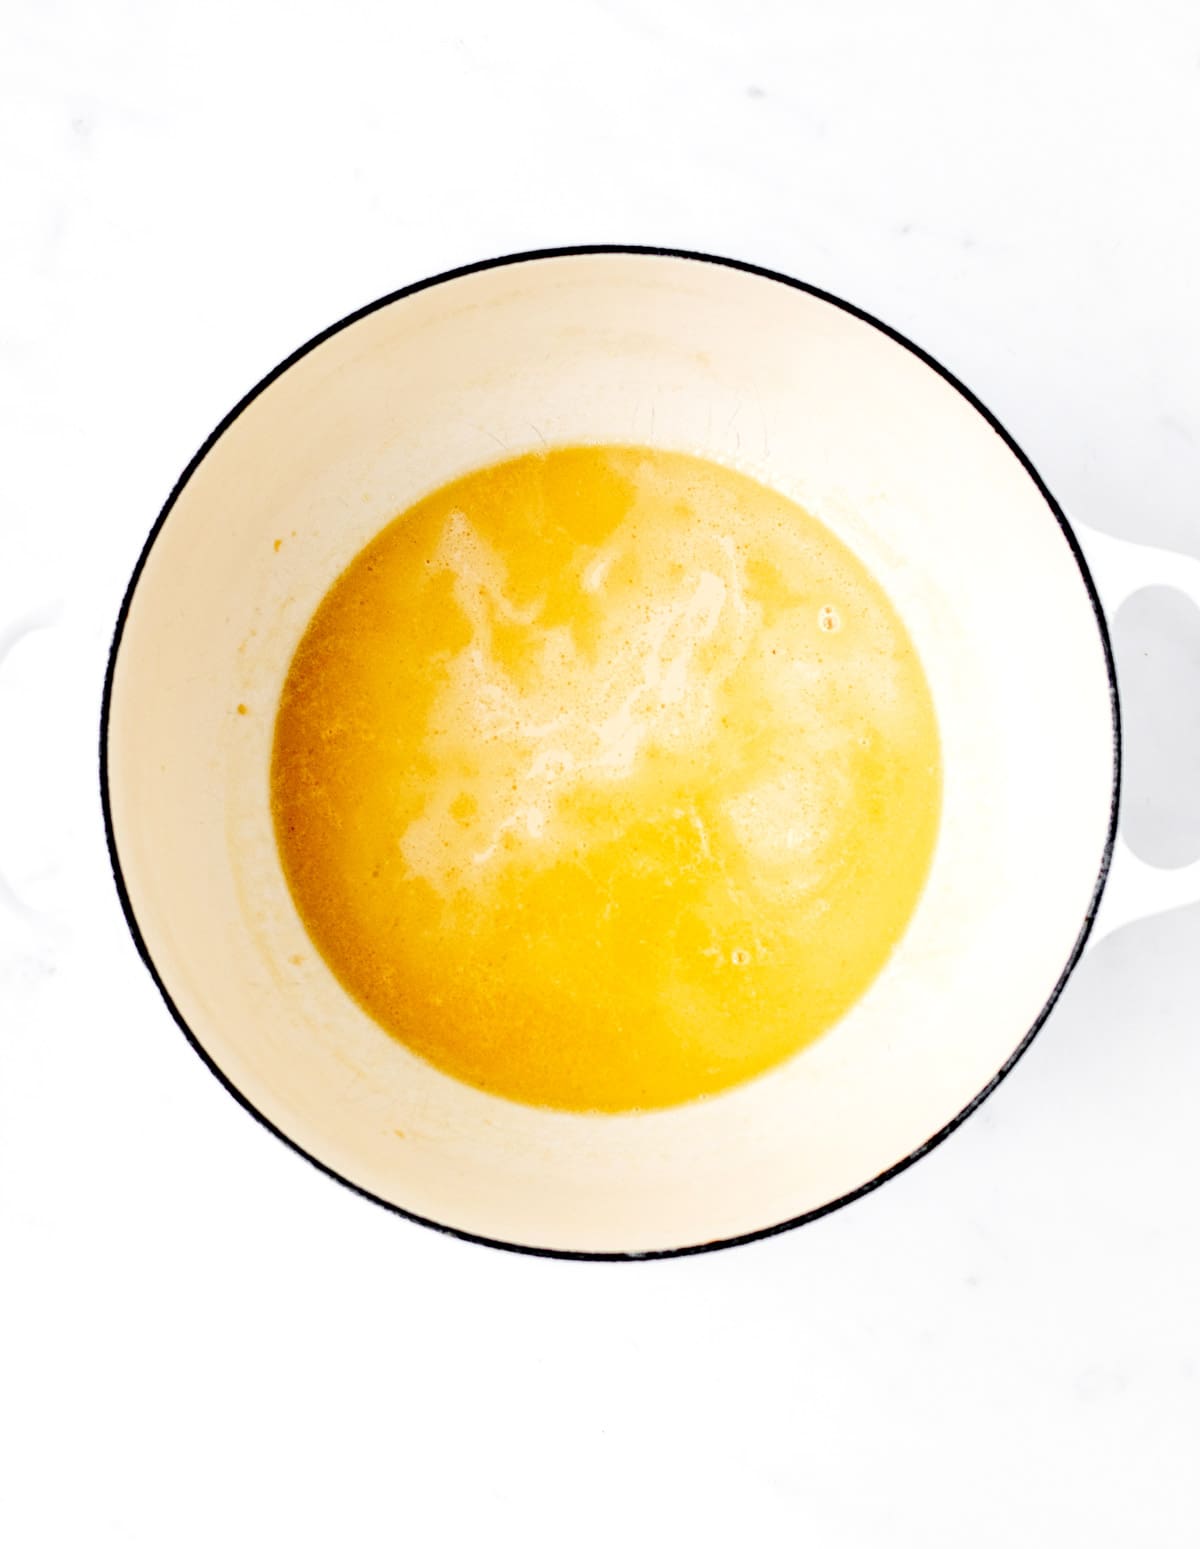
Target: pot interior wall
<point>669,352</point>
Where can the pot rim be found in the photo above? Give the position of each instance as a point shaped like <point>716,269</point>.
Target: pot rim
<point>537,255</point>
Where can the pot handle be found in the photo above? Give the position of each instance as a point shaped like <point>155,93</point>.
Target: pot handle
<point>11,902</point>
<point>1135,889</point>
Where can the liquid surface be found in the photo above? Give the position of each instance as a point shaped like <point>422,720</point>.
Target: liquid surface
<point>605,778</point>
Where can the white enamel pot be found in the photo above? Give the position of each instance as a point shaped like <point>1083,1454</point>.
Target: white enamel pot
<point>812,397</point>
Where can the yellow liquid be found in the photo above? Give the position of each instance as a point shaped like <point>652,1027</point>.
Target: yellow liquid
<point>606,778</point>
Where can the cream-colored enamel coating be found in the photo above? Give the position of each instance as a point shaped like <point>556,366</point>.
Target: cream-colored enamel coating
<point>633,349</point>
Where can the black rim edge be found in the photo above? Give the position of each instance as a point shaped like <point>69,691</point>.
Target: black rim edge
<point>587,250</point>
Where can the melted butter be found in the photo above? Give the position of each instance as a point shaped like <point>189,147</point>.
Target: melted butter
<point>606,778</point>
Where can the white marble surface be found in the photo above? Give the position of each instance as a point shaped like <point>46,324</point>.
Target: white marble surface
<point>202,1340</point>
